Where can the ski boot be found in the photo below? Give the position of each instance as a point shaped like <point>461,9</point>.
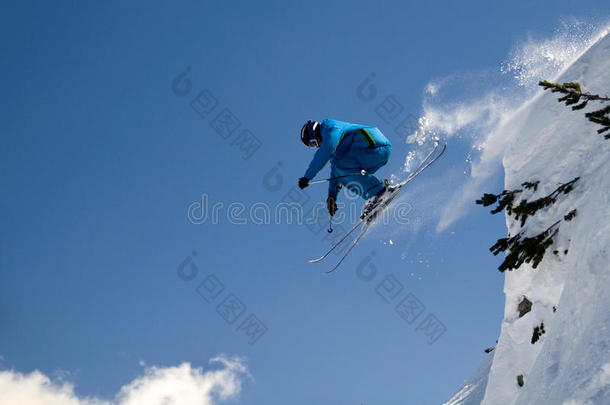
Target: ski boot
<point>374,202</point>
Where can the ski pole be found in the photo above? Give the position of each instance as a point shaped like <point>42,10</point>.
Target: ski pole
<point>360,173</point>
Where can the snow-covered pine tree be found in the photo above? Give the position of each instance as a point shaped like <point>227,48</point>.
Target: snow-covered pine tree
<point>522,249</point>
<point>525,249</point>
<point>574,96</point>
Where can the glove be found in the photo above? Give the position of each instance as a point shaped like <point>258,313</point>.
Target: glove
<point>332,205</point>
<point>303,182</point>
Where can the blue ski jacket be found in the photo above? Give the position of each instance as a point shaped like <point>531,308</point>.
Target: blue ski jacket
<point>350,148</point>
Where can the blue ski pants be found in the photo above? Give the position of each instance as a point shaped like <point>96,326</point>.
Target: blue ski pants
<point>369,159</point>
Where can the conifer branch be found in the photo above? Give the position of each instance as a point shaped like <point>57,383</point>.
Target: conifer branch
<point>574,96</point>
<point>524,249</point>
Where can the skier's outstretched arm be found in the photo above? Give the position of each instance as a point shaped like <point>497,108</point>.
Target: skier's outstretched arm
<point>320,159</point>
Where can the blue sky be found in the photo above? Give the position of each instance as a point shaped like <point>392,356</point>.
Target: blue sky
<point>101,158</point>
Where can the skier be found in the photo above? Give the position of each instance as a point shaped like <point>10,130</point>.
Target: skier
<point>350,148</point>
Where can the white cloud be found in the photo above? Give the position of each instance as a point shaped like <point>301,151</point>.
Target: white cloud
<point>183,385</point>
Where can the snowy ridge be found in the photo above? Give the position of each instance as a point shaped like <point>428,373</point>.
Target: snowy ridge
<point>570,292</point>
<point>474,387</point>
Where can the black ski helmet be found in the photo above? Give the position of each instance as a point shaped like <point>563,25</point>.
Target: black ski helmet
<point>308,134</point>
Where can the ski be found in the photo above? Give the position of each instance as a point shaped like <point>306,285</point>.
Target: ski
<point>372,216</point>
<point>400,185</point>
<point>419,170</point>
<point>333,247</point>
<point>354,243</point>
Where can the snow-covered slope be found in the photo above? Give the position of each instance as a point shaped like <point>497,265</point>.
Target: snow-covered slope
<point>570,292</point>
<point>473,390</point>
